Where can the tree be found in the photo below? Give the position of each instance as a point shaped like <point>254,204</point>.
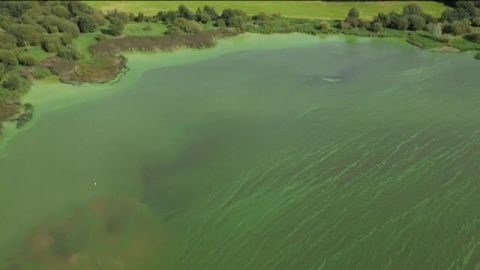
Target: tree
<point>353,18</point>
<point>61,12</point>
<point>123,16</point>
<point>63,25</point>
<point>140,17</point>
<point>170,16</point>
<point>198,14</point>
<point>473,37</point>
<point>324,26</point>
<point>12,83</point>
<point>8,58</point>
<point>86,23</point>
<point>27,60</point>
<point>70,52</point>
<point>476,22</point>
<point>98,18</point>
<point>377,27</point>
<point>237,22</point>
<point>7,41</point>
<point>468,7</point>
<point>435,29</point>
<point>416,22</point>
<point>398,21</point>
<point>161,16</point>
<point>352,21</point>
<point>457,28</point>
<point>205,18</point>
<point>27,34</point>
<point>116,26</point>
<point>221,24</point>
<point>52,43</point>
<point>262,17</point>
<point>78,8</point>
<point>211,12</point>
<point>187,26</point>
<point>353,13</point>
<point>184,12</point>
<point>364,24</point>
<point>412,9</point>
<point>229,13</point>
<point>173,30</point>
<point>384,19</point>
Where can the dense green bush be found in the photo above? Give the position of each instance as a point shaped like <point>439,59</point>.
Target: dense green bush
<point>86,24</point>
<point>63,25</point>
<point>353,22</point>
<point>140,17</point>
<point>7,41</point>
<point>476,22</point>
<point>173,30</point>
<point>377,27</point>
<point>221,23</point>
<point>187,26</point>
<point>70,52</point>
<point>237,22</point>
<point>184,12</point>
<point>27,60</point>
<point>364,24</point>
<point>473,37</point>
<point>416,22</point>
<point>353,13</point>
<point>211,12</point>
<point>324,26</point>
<point>11,83</point>
<point>457,28</point>
<point>40,73</point>
<point>8,58</point>
<point>27,34</point>
<point>398,21</point>
<point>52,43</point>
<point>204,18</point>
<point>100,37</point>
<point>462,10</point>
<point>412,9</point>
<point>229,13</point>
<point>116,26</point>
<point>61,11</point>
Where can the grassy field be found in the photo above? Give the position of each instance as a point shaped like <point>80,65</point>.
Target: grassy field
<point>298,9</point>
<point>138,29</point>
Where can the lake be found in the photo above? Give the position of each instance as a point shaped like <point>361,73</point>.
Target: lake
<point>266,152</point>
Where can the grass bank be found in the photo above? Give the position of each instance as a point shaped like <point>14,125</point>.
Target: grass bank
<point>297,9</point>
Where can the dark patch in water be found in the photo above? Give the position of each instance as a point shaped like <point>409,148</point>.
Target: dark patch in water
<point>166,189</point>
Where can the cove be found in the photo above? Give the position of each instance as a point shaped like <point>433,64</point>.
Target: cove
<point>243,156</point>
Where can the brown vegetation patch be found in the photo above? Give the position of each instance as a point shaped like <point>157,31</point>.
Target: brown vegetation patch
<point>160,43</point>
<point>104,233</point>
<point>98,69</point>
<point>8,111</point>
<point>445,49</point>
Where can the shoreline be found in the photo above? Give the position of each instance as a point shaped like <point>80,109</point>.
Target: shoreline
<point>125,69</point>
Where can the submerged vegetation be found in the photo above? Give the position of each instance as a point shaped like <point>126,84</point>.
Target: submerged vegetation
<point>78,43</point>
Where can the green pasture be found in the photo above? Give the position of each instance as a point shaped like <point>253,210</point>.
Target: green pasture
<point>299,9</point>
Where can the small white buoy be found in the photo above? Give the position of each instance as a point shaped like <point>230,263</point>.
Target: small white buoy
<point>95,183</point>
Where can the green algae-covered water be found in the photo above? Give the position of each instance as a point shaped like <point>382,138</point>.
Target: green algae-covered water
<point>266,152</point>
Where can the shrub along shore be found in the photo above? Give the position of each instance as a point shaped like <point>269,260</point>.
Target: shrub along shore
<point>76,43</point>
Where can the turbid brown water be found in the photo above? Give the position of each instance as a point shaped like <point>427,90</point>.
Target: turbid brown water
<point>266,152</point>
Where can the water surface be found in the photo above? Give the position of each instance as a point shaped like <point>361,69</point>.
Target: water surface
<point>266,152</point>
